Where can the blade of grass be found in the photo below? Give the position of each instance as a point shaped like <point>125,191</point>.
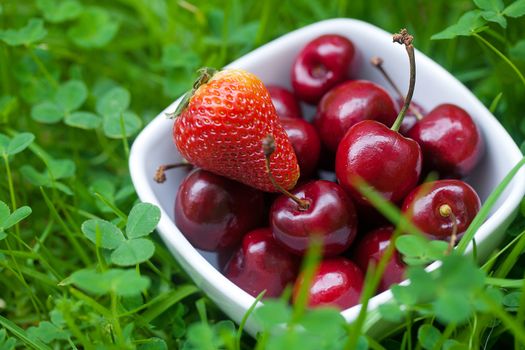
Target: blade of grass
<point>70,236</point>
<point>155,310</point>
<point>487,206</point>
<point>504,283</point>
<point>501,55</point>
<point>238,335</point>
<point>511,259</point>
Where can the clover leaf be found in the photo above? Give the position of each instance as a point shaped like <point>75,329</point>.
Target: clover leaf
<point>94,28</point>
<point>132,252</point>
<point>8,219</point>
<point>469,23</point>
<point>118,281</point>
<point>142,220</point>
<point>103,233</point>
<point>57,11</point>
<point>33,32</point>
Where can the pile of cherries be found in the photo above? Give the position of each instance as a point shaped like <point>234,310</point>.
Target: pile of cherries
<point>361,134</point>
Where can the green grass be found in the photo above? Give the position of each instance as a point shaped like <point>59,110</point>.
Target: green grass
<point>86,77</point>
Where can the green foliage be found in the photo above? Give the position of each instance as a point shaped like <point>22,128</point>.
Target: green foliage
<point>8,219</point>
<point>120,282</point>
<point>132,249</point>
<point>6,343</point>
<point>33,32</point>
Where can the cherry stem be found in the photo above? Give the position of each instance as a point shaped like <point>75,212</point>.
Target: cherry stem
<point>268,145</point>
<point>406,39</point>
<point>446,211</point>
<point>160,173</point>
<point>377,62</point>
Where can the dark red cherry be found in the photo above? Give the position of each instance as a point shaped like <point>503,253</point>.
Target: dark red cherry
<point>371,248</point>
<point>450,141</point>
<point>305,142</point>
<point>322,63</point>
<point>435,207</point>
<point>262,264</point>
<point>383,158</point>
<point>349,103</point>
<point>337,282</point>
<point>285,103</point>
<point>330,215</point>
<point>213,212</point>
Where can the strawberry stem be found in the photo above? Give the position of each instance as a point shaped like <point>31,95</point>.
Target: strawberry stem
<point>406,39</point>
<point>268,145</point>
<point>160,173</point>
<point>205,74</point>
<point>377,62</point>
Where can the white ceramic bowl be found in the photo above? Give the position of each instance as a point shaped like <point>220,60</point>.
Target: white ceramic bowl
<point>272,63</point>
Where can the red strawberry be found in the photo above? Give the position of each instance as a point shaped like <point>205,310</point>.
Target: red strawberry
<point>222,125</point>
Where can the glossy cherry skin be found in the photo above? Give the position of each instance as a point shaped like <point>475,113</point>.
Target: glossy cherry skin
<point>285,103</point>
<point>450,141</point>
<point>213,212</point>
<point>349,103</point>
<point>410,118</point>
<point>262,264</point>
<point>371,247</point>
<point>383,158</point>
<point>423,204</point>
<point>322,63</point>
<point>337,282</point>
<point>331,217</point>
<point>305,142</point>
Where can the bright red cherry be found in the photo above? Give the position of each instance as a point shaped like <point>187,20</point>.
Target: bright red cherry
<point>285,103</point>
<point>372,154</point>
<point>323,63</point>
<point>262,264</point>
<point>383,158</point>
<point>371,248</point>
<point>349,103</point>
<point>436,207</point>
<point>337,282</point>
<point>213,212</point>
<point>327,213</point>
<point>305,142</point>
<point>450,140</point>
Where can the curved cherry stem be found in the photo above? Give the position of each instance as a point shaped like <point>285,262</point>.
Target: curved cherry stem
<point>160,173</point>
<point>446,211</point>
<point>268,146</point>
<point>377,62</point>
<point>406,39</point>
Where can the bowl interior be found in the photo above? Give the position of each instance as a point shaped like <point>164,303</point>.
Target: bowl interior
<point>272,64</point>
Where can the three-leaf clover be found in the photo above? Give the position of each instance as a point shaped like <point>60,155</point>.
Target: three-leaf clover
<point>132,248</point>
<point>68,98</point>
<point>119,122</point>
<point>8,219</point>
